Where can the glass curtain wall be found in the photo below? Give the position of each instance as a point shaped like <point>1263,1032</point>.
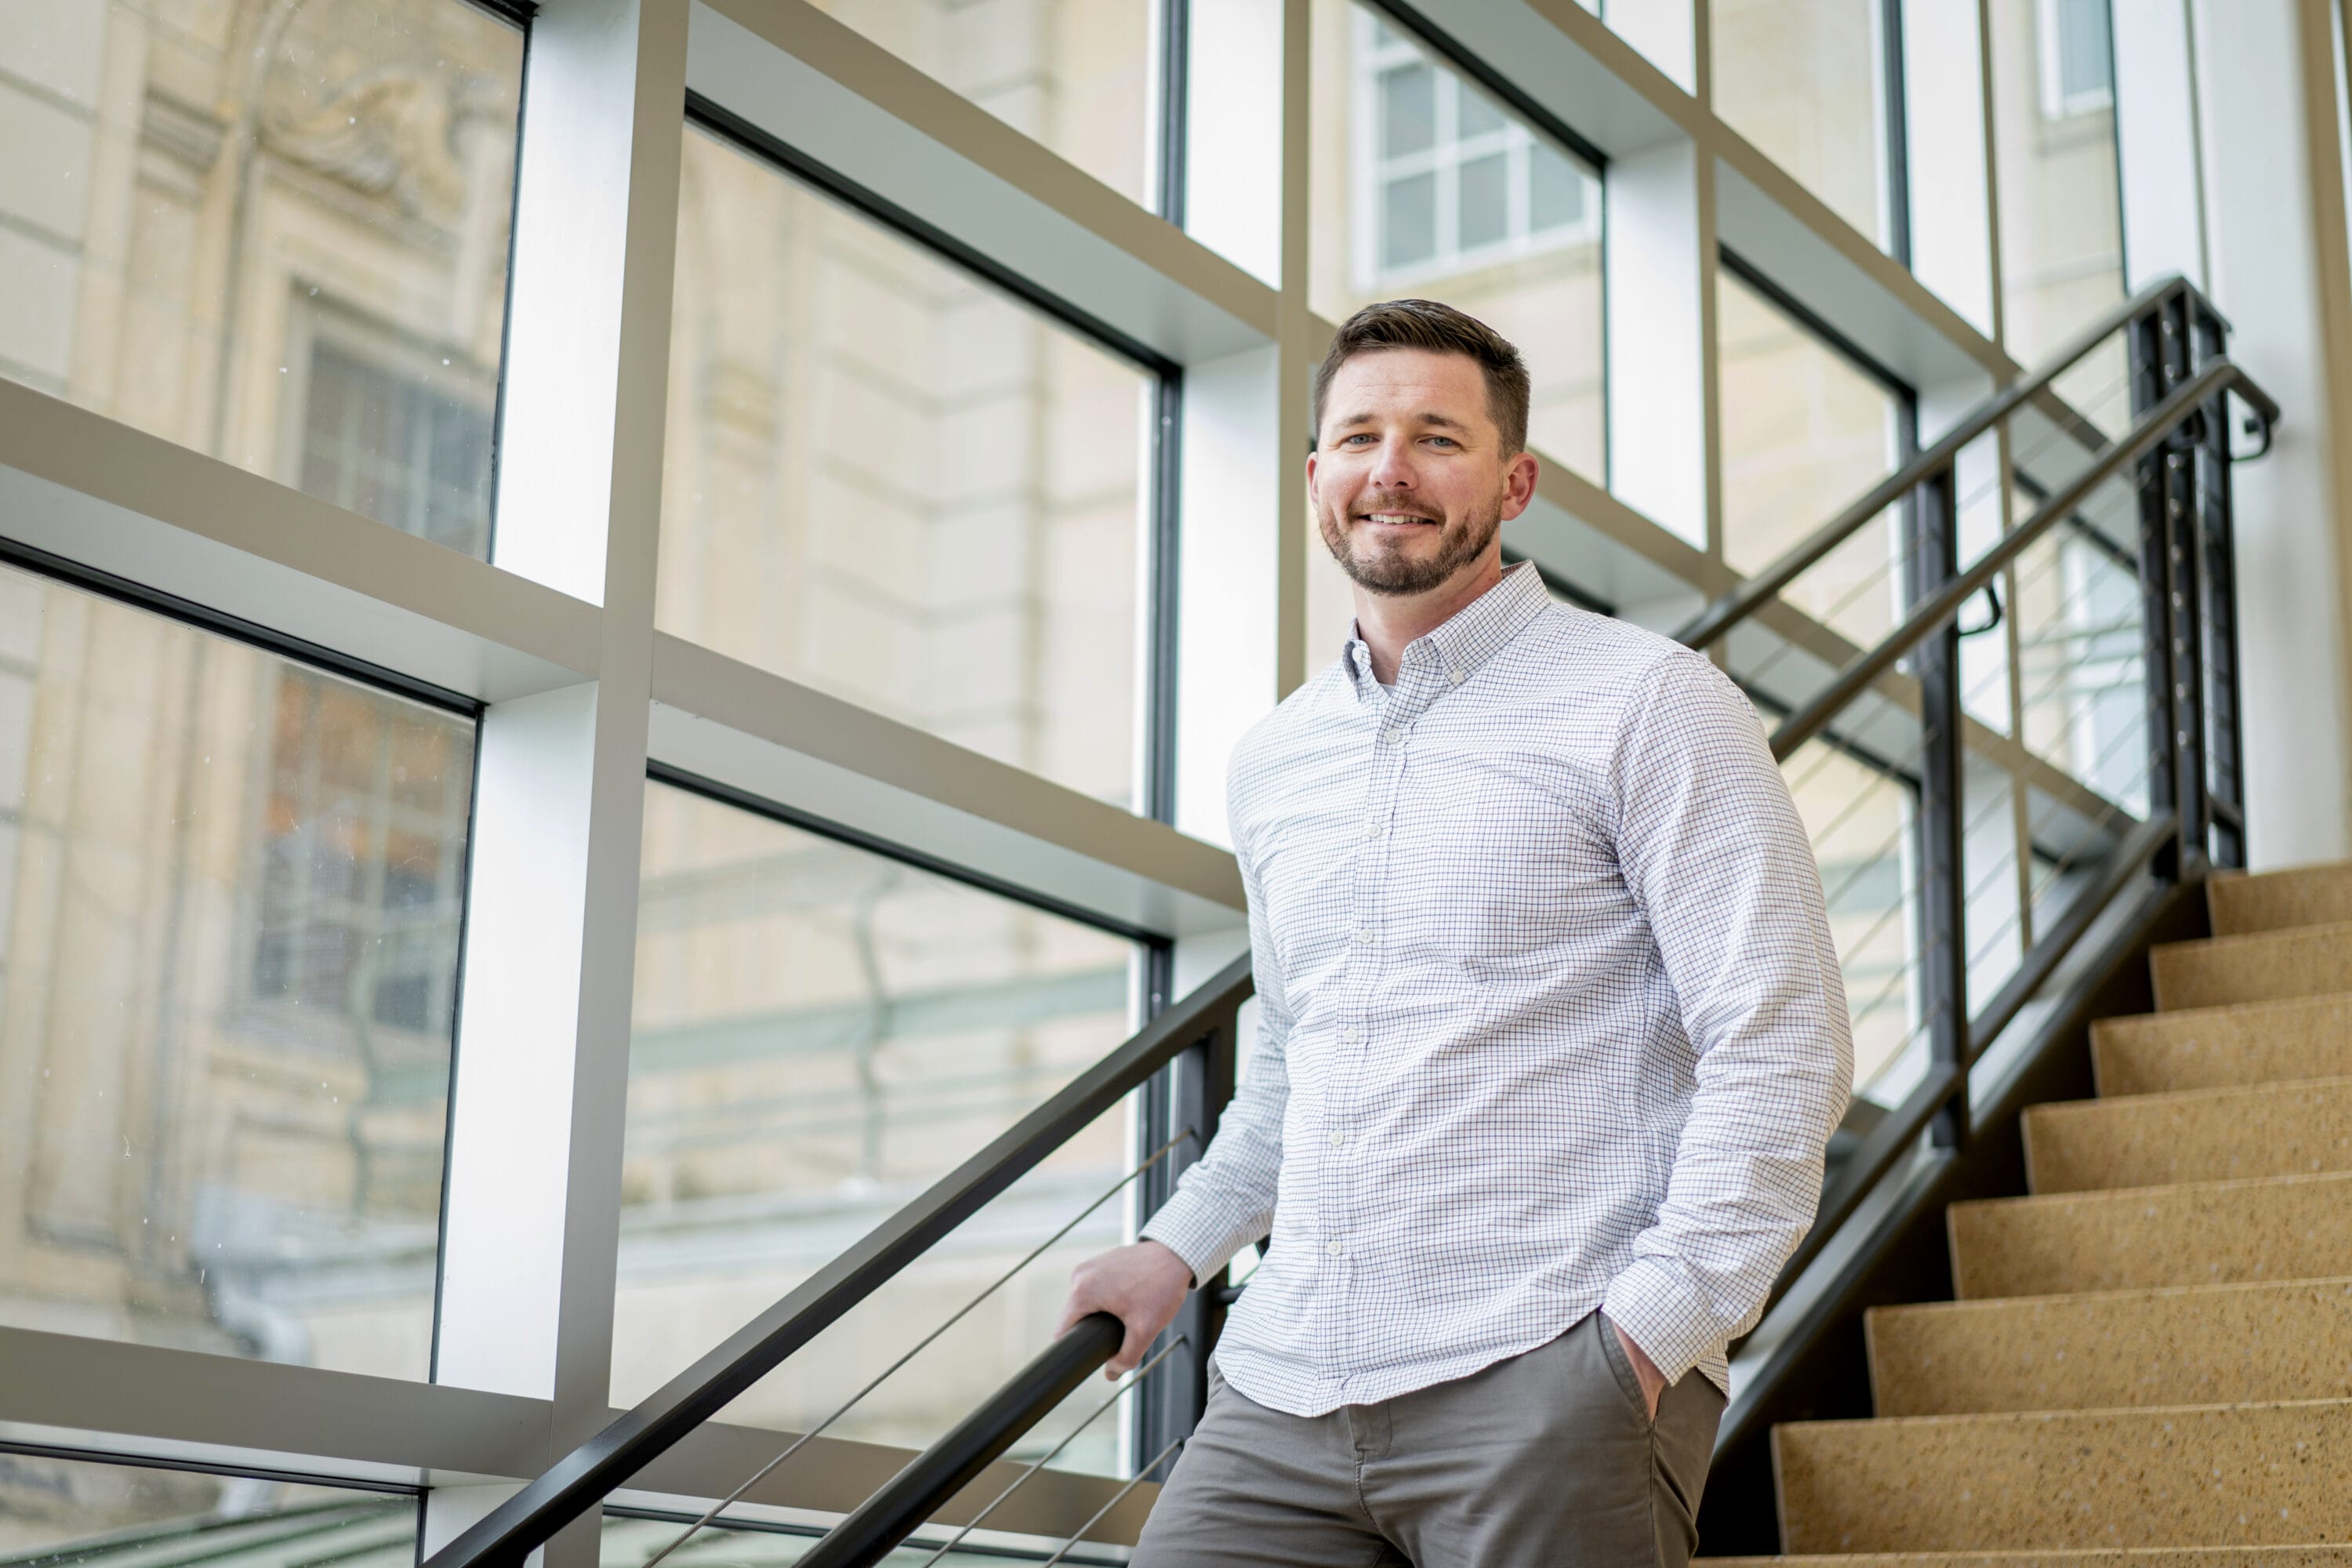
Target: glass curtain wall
<point>275,234</point>
<point>820,1032</point>
<point>890,481</point>
<point>230,896</point>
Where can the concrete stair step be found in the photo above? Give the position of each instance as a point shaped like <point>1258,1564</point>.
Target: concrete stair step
<point>2267,966</point>
<point>2114,1350</point>
<point>2126,1557</point>
<point>2189,1135</point>
<point>2199,1232</point>
<point>2230,1475</point>
<point>2275,900</point>
<point>2215,1048</point>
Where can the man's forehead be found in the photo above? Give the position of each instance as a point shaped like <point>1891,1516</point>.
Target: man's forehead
<point>1409,373</point>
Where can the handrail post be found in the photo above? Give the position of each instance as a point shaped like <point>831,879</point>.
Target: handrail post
<point>2158,350</point>
<point>1190,1093</point>
<point>2211,518</point>
<point>1943,897</point>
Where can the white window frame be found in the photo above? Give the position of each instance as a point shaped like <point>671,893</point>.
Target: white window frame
<point>1371,170</point>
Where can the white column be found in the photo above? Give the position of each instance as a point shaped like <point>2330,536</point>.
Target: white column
<point>1661,268</point>
<point>2274,197</point>
<point>543,1030</point>
<point>2157,141</point>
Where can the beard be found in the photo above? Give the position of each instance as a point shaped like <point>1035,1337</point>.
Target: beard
<point>1385,569</point>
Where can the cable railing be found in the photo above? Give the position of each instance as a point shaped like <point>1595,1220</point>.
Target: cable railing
<point>2173,458</point>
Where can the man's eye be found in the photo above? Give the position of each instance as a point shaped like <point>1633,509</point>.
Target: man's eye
<point>1353,440</point>
<point>1443,440</point>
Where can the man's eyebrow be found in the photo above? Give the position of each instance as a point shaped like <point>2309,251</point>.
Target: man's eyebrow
<point>1430,418</point>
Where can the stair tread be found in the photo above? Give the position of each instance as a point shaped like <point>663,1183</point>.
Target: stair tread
<point>2267,1472</point>
<point>2114,1350</point>
<point>2241,1043</point>
<point>2229,1133</point>
<point>2259,966</point>
<point>2261,1228</point>
<point>2281,900</point>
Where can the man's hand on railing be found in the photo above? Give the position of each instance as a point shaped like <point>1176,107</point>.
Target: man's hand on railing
<point>1141,1286</point>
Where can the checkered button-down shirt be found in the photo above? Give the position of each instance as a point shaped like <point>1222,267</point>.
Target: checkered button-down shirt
<point>1549,1014</point>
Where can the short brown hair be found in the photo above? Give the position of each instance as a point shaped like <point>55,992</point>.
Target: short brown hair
<point>1440,329</point>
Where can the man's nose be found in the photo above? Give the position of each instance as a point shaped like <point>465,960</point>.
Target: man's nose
<point>1392,466</point>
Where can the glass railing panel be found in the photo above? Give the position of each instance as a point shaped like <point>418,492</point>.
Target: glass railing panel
<point>1426,185</point>
<point>62,1512</point>
<point>282,243</point>
<point>888,481</point>
<point>231,888</point>
<point>821,1032</point>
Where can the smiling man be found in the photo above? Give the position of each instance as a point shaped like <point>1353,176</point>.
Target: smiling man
<point>1552,1039</point>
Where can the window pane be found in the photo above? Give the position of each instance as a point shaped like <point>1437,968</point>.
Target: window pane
<point>2085,62</point>
<point>230,891</point>
<point>1409,220</point>
<point>1408,110</point>
<point>1476,114</point>
<point>820,1032</point>
<point>1427,215</point>
<point>888,481</point>
<point>1804,432</point>
<point>95,1515</point>
<point>1555,189</point>
<point>2061,209</point>
<point>1486,200</point>
<point>294,261</point>
<point>1076,78</point>
<point>1800,79</point>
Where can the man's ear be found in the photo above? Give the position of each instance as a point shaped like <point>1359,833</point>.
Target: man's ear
<point>1519,484</point>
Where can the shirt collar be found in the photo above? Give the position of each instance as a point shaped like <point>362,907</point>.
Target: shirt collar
<point>1454,650</point>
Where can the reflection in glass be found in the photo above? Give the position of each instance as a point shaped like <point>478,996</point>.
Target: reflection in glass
<point>888,481</point>
<point>1802,79</point>
<point>820,1034</point>
<point>1438,191</point>
<point>1076,79</point>
<point>230,894</point>
<point>92,1514</point>
<point>290,254</point>
<point>1804,432</point>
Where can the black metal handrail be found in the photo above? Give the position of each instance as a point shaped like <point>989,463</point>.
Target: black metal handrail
<point>1201,1022</point>
<point>1754,593</point>
<point>2182,406</point>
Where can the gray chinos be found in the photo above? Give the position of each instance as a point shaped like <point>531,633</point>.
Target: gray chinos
<point>1545,1459</point>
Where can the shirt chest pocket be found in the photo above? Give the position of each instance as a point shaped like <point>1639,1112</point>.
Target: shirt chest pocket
<point>1492,860</point>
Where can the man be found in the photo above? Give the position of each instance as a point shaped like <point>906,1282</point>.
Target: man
<point>1552,1039</point>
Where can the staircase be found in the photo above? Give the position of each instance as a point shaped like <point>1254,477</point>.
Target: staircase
<point>2150,1358</point>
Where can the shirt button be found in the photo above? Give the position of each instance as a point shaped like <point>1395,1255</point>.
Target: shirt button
<point>1455,676</point>
<point>1371,830</point>
<point>1363,933</point>
<point>1337,1250</point>
<point>1338,1138</point>
<point>1392,737</point>
<point>1353,1035</point>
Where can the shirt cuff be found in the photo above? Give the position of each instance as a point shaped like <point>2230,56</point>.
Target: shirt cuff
<point>1203,1239</point>
<point>1661,1313</point>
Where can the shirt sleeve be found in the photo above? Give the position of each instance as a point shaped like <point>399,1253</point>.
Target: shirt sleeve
<point>1225,1200</point>
<point>1714,852</point>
